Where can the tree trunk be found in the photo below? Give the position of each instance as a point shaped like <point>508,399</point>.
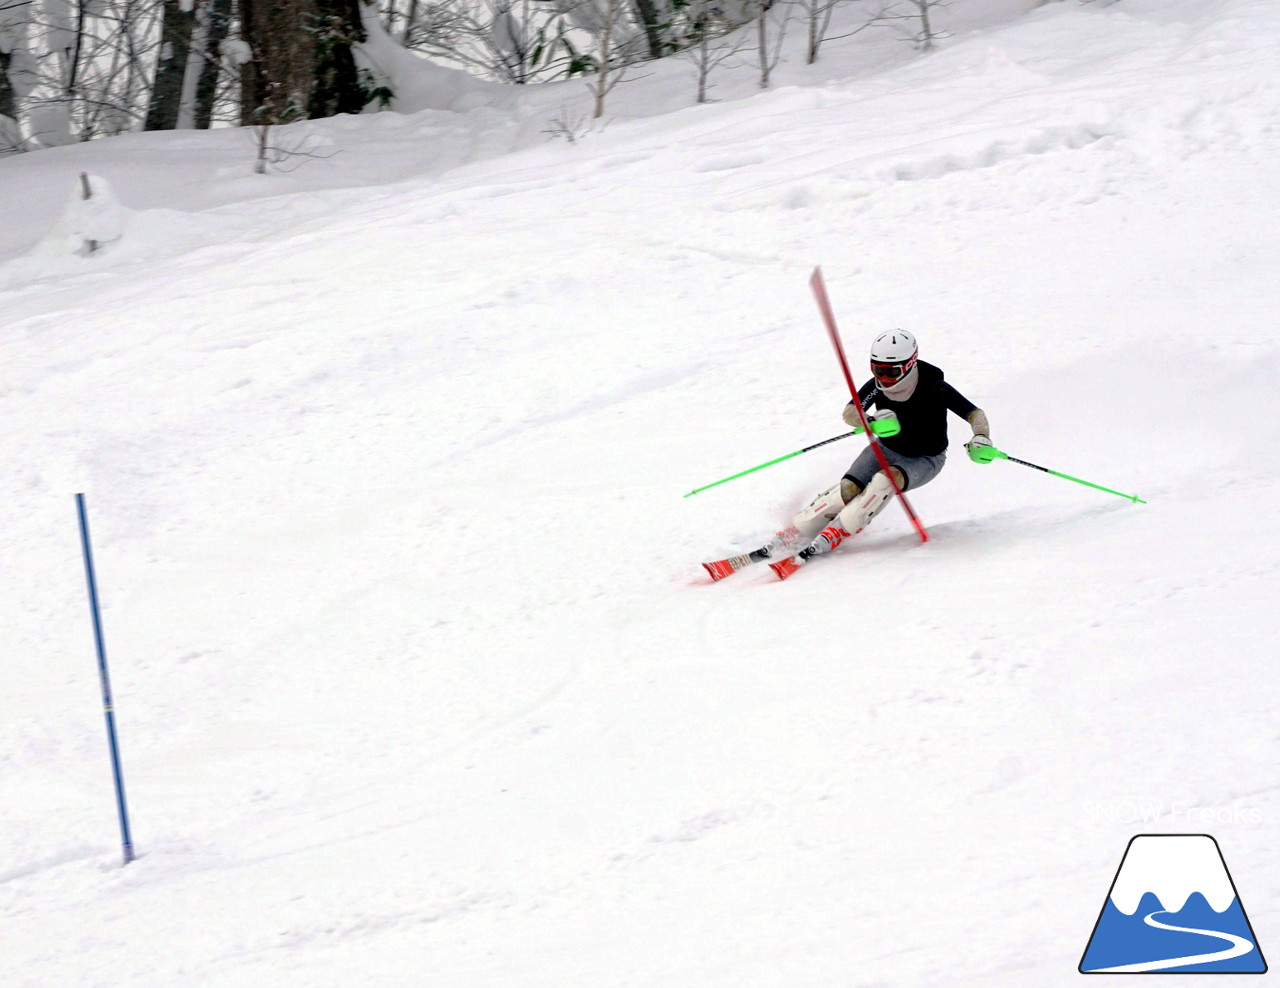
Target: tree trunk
<point>602,80</point>
<point>302,64</point>
<point>275,86</point>
<point>337,85</point>
<point>654,29</point>
<point>926,32</point>
<point>8,101</point>
<point>176,26</point>
<point>409,18</point>
<point>762,42</point>
<point>73,56</point>
<point>207,85</point>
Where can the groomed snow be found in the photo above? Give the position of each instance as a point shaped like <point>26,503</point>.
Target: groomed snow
<point>416,677</point>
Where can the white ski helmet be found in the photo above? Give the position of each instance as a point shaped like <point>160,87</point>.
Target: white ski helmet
<point>893,355</point>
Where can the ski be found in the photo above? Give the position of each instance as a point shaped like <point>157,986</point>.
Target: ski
<point>833,535</point>
<point>720,568</point>
<point>788,540</point>
<point>787,566</point>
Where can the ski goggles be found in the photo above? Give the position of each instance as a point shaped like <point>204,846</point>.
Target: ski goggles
<point>891,372</point>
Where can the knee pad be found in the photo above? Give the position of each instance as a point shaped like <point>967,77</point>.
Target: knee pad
<point>857,514</point>
<point>817,514</point>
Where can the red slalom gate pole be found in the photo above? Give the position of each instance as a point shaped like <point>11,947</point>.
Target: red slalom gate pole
<point>828,316</point>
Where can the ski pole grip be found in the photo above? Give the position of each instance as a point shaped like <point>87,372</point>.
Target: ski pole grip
<point>885,424</point>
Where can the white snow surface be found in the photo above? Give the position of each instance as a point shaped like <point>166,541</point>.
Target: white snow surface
<point>417,678</point>
<point>1172,867</point>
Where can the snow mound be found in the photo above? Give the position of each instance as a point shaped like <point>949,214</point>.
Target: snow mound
<point>92,219</point>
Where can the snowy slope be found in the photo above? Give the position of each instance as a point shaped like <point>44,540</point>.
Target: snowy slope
<point>416,679</point>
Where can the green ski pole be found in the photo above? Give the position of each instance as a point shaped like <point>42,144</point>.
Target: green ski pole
<point>881,427</point>
<point>988,453</point>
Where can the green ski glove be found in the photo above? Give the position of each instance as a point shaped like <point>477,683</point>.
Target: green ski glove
<point>885,424</point>
<point>981,450</point>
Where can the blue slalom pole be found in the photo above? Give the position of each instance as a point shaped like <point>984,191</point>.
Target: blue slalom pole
<point>107,705</point>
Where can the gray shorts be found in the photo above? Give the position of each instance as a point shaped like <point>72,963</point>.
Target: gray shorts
<point>918,470</point>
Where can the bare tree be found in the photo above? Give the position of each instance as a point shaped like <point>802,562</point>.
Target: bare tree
<point>915,14</point>
<point>411,15</point>
<point>769,13</point>
<point>608,74</point>
<point>273,153</point>
<point>177,26</point>
<point>710,42</point>
<point>656,22</point>
<point>10,128</point>
<point>92,75</point>
<point>189,64</point>
<point>15,18</point>
<point>8,101</point>
<point>8,94</point>
<point>817,17</point>
<point>73,70</point>
<point>519,41</point>
<point>570,125</point>
<point>398,22</point>
<point>217,26</point>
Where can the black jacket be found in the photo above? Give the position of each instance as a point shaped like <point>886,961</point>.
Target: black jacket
<point>923,416</point>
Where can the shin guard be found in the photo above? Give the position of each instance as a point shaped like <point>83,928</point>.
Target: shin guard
<point>818,513</point>
<point>857,514</point>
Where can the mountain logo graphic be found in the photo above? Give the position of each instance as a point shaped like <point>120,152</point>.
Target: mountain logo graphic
<point>1172,909</point>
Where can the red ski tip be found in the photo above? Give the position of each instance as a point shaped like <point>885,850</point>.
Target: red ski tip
<point>719,569</point>
<point>785,567</point>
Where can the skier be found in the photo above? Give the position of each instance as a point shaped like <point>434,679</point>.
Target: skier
<point>915,392</point>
